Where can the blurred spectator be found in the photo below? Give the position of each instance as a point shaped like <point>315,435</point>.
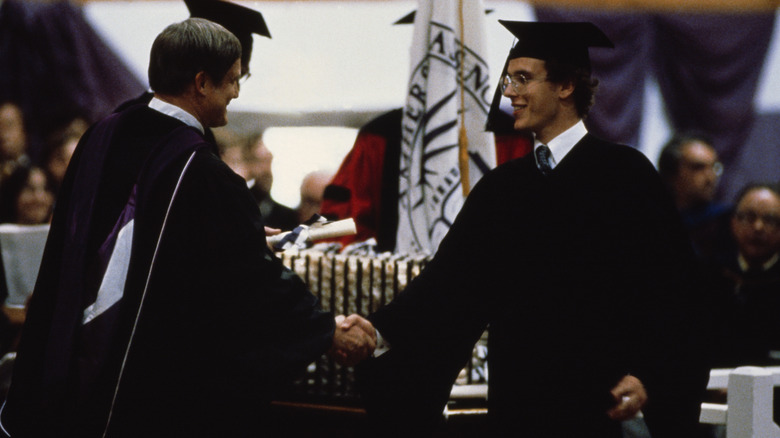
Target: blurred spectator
<point>26,197</point>
<point>13,138</point>
<point>59,150</point>
<point>748,284</point>
<point>257,160</point>
<point>232,149</point>
<point>756,227</point>
<point>690,168</point>
<point>750,280</point>
<point>312,189</point>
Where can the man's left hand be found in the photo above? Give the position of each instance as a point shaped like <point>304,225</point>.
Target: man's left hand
<point>630,397</point>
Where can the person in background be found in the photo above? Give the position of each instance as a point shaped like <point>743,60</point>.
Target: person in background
<point>160,311</point>
<point>260,179</point>
<point>689,166</point>
<point>13,138</point>
<point>60,148</point>
<point>750,280</point>
<point>232,148</point>
<point>745,287</point>
<point>26,197</point>
<point>312,189</point>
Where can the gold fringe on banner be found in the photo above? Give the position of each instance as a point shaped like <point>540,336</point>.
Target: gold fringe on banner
<point>463,139</point>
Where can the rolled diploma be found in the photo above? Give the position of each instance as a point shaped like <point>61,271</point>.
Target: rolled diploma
<point>344,227</point>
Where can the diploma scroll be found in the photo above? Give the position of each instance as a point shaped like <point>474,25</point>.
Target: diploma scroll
<point>320,231</point>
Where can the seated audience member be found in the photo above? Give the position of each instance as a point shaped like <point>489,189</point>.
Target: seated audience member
<point>251,159</point>
<point>59,150</point>
<point>746,287</point>
<point>689,166</point>
<point>365,186</point>
<point>312,189</point>
<point>750,280</point>
<point>260,178</point>
<point>26,197</point>
<point>231,148</point>
<point>13,138</point>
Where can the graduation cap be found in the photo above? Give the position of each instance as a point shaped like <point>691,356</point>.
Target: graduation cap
<point>564,42</point>
<point>239,20</point>
<point>409,18</point>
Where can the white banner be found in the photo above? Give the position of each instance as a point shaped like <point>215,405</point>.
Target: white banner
<point>430,180</point>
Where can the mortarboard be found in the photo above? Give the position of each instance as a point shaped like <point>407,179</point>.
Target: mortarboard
<point>239,20</point>
<point>559,41</point>
<point>566,42</point>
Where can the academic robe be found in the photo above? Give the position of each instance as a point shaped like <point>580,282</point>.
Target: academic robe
<point>210,324</point>
<point>365,187</point>
<point>582,275</point>
<point>749,302</point>
<point>276,215</point>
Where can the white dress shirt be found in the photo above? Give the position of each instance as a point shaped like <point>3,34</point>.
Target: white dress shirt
<point>174,111</point>
<point>563,143</point>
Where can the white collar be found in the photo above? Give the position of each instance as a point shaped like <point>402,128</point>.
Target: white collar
<point>176,112</point>
<point>561,145</point>
<point>743,264</point>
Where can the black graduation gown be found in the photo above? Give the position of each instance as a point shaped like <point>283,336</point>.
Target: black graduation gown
<point>223,324</point>
<point>583,276</point>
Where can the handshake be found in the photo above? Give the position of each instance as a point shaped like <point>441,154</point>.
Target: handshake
<point>353,341</point>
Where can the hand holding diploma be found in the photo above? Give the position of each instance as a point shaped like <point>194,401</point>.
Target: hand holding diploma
<point>312,231</point>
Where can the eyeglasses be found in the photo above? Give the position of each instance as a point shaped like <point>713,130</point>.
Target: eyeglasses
<point>697,166</point>
<point>242,80</point>
<point>750,217</point>
<point>518,81</point>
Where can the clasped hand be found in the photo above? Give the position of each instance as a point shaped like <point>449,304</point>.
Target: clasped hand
<point>353,341</point>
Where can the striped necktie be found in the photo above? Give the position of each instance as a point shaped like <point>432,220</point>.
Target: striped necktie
<point>543,159</point>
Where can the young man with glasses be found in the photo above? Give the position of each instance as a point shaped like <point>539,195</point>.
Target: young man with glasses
<point>576,259</point>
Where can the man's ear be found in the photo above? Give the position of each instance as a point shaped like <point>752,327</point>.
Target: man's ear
<point>201,82</point>
<point>567,89</point>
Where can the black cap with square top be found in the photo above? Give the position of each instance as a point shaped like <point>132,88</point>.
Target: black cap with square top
<point>239,20</point>
<point>565,42</point>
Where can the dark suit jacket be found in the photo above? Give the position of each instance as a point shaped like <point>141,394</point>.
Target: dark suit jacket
<point>582,276</point>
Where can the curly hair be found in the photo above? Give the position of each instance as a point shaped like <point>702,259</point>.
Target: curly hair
<point>585,85</point>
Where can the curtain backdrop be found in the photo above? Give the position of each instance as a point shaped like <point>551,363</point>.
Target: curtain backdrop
<point>56,66</point>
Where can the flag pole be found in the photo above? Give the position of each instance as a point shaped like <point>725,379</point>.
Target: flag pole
<point>463,140</point>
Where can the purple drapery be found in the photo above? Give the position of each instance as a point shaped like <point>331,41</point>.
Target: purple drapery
<point>707,67</point>
<point>56,66</point>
